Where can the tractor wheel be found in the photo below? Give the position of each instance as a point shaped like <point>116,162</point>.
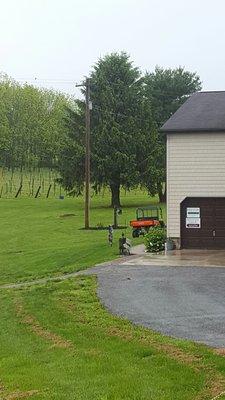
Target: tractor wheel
<point>135,233</point>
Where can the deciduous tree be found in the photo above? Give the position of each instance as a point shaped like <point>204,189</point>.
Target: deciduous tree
<point>167,90</point>
<point>32,125</point>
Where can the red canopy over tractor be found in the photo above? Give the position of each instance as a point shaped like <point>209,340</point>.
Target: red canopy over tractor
<point>146,218</point>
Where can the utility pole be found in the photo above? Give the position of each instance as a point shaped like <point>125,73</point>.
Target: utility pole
<point>88,107</point>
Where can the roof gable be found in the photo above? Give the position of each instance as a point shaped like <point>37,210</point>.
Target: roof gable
<point>203,111</point>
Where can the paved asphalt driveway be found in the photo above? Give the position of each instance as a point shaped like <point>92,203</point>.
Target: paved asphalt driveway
<point>184,302</point>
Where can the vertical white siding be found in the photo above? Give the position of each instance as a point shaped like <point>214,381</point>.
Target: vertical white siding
<point>195,168</point>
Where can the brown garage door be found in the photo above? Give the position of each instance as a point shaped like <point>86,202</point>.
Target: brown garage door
<point>208,228</point>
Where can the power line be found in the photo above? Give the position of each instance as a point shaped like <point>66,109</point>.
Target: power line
<point>73,82</point>
<point>46,81</point>
<point>35,78</point>
<point>120,114</point>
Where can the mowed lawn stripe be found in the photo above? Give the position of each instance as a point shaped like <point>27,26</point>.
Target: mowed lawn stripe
<point>108,357</point>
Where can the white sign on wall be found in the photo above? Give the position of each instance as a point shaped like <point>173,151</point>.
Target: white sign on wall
<point>193,212</point>
<point>193,223</point>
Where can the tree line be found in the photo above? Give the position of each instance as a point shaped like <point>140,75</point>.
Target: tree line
<point>32,127</point>
<point>44,128</point>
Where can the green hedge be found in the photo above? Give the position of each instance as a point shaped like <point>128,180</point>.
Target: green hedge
<point>155,240</point>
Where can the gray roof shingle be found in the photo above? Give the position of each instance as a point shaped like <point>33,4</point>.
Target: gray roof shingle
<point>203,111</point>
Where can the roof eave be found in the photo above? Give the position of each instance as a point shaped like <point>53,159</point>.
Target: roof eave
<point>190,130</point>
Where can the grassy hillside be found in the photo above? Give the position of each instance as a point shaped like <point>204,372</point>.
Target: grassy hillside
<point>44,236</point>
<point>44,178</point>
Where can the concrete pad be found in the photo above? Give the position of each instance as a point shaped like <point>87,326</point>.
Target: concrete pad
<point>179,258</point>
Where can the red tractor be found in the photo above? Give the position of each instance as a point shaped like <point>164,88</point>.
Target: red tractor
<point>146,218</point>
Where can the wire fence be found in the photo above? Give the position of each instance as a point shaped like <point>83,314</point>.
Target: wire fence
<point>35,183</point>
<point>43,183</point>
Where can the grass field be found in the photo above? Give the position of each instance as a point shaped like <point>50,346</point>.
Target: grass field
<point>42,237</point>
<point>57,341</point>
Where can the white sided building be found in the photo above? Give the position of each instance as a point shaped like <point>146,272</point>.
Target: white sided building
<point>196,172</point>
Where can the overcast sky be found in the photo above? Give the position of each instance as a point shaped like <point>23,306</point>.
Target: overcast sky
<point>58,41</point>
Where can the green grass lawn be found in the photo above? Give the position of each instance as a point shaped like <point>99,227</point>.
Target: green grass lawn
<point>57,341</point>
<point>38,239</point>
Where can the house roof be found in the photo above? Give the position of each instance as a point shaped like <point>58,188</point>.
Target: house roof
<point>203,112</point>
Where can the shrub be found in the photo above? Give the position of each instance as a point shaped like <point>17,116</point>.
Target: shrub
<point>155,240</point>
